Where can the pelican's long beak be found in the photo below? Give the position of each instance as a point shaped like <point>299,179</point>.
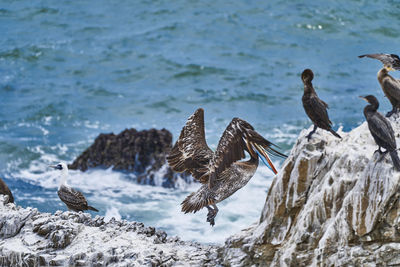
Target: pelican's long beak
<point>264,157</point>
<point>53,166</point>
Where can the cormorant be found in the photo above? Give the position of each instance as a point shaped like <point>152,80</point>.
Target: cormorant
<point>4,190</point>
<point>221,172</point>
<point>74,199</point>
<point>315,108</point>
<point>390,85</point>
<point>381,130</point>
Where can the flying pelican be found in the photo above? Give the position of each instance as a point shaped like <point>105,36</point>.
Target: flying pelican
<point>74,199</point>
<point>390,86</point>
<point>380,129</point>
<point>221,172</point>
<point>315,108</point>
<point>4,190</point>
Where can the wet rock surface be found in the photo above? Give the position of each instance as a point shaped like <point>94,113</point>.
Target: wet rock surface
<point>142,152</point>
<point>334,203</point>
<point>31,238</point>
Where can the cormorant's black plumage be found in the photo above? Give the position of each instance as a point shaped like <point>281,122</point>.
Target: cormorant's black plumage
<point>315,108</point>
<point>381,130</point>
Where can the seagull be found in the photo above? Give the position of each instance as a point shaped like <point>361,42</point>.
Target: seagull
<point>221,172</point>
<point>74,199</point>
<point>390,86</point>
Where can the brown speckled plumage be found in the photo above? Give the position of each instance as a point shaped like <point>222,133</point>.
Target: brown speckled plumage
<point>73,199</point>
<point>4,190</point>
<point>221,172</point>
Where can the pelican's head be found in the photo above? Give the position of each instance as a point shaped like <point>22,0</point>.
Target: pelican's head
<point>307,75</point>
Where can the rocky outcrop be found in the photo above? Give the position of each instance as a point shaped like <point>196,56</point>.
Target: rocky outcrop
<point>141,152</point>
<point>31,238</point>
<point>334,203</point>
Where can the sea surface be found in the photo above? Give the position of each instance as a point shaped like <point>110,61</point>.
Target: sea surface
<point>70,70</point>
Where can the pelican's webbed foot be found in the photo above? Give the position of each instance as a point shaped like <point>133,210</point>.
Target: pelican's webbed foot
<point>212,213</point>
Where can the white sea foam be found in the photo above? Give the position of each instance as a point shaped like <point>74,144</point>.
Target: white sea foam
<point>116,194</point>
<point>112,213</point>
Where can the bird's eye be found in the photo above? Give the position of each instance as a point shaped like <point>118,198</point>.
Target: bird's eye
<point>59,167</point>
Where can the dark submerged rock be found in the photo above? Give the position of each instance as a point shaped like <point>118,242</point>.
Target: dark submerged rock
<point>141,152</point>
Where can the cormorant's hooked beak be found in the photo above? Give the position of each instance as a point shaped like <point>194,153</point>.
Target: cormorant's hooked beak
<point>264,157</point>
<point>363,97</point>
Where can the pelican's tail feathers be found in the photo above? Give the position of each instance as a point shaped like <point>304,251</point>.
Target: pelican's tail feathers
<point>197,200</point>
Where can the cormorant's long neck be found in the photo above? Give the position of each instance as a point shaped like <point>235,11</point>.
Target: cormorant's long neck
<point>370,109</point>
<point>382,73</point>
<point>63,178</point>
<point>308,88</point>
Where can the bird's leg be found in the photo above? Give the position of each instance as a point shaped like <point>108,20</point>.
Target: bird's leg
<point>311,133</point>
<point>212,213</point>
<point>378,150</point>
<point>383,154</point>
<point>390,113</point>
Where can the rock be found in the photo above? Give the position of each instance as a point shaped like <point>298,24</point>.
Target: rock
<point>334,203</point>
<point>31,238</point>
<point>141,152</point>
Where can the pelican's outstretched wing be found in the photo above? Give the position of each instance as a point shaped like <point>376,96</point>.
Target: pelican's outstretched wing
<point>387,59</point>
<point>191,152</point>
<point>238,137</point>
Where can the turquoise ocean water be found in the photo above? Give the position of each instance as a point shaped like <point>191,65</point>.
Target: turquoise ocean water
<point>70,70</point>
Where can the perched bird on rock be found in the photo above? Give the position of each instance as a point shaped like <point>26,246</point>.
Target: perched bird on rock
<point>390,85</point>
<point>381,130</point>
<point>74,199</point>
<point>4,190</point>
<point>221,172</point>
<point>315,108</point>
